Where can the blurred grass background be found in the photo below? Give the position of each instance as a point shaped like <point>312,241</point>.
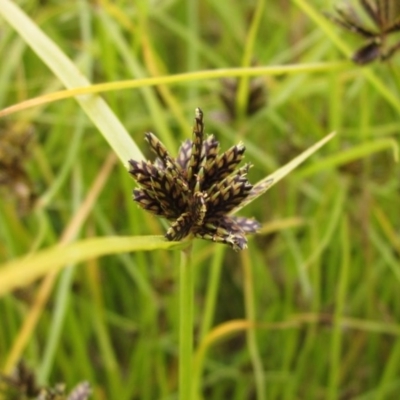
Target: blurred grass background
<point>311,310</point>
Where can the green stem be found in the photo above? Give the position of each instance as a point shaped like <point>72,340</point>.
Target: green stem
<point>337,333</point>
<point>208,315</point>
<point>212,291</point>
<point>395,73</point>
<point>251,333</point>
<point>242,95</point>
<point>193,48</point>
<point>186,279</point>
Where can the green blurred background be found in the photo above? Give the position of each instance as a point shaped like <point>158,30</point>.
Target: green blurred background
<point>322,279</point>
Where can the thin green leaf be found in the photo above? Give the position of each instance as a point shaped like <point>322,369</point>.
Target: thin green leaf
<point>349,155</point>
<point>24,271</point>
<point>94,106</point>
<point>262,186</point>
<point>176,79</point>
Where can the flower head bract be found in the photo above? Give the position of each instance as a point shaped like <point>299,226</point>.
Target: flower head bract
<point>198,190</point>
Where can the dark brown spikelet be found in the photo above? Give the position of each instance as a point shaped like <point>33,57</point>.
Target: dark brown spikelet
<point>223,165</point>
<point>229,193</point>
<point>197,144</point>
<point>257,95</point>
<point>247,225</point>
<point>81,392</point>
<point>197,190</point>
<point>16,144</point>
<point>224,230</point>
<point>210,149</point>
<point>164,158</point>
<point>384,15</point>
<point>143,172</point>
<point>181,227</point>
<point>21,385</point>
<point>184,154</point>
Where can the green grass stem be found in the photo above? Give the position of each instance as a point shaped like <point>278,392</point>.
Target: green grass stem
<point>341,296</point>
<point>251,334</point>
<point>186,319</point>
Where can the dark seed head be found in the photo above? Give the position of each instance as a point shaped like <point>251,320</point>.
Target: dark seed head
<point>384,16</point>
<point>197,190</point>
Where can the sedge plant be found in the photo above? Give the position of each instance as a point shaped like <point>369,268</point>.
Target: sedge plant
<point>199,191</point>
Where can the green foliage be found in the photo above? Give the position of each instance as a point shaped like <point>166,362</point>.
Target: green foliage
<point>309,311</point>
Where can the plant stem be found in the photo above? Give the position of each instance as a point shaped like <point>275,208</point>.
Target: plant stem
<point>186,279</point>
<point>251,333</point>
<point>207,315</point>
<point>337,333</point>
<point>212,291</point>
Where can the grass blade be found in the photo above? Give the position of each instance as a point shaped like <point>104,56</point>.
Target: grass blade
<point>22,272</point>
<point>262,186</point>
<point>95,107</point>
